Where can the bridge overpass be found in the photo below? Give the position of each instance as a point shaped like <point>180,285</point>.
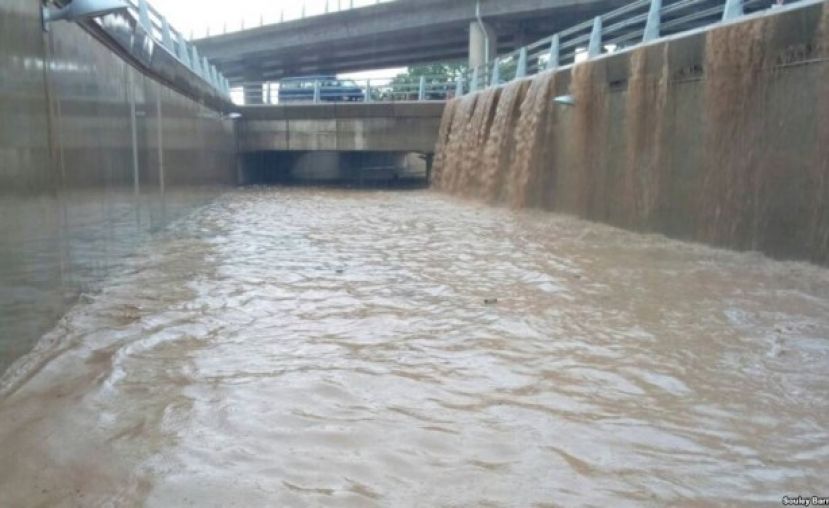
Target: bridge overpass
<point>382,127</point>
<point>340,141</point>
<point>393,34</point>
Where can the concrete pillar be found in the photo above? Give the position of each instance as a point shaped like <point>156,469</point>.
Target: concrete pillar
<point>253,94</point>
<point>253,90</point>
<point>483,44</point>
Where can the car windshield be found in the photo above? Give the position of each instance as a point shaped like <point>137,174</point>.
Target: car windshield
<point>348,83</point>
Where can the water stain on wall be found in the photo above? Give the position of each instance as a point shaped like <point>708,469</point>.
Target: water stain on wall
<point>590,123</point>
<point>645,128</point>
<point>734,171</point>
<point>819,226</point>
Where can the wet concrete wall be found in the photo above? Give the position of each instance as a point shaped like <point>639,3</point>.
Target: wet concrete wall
<point>94,155</point>
<point>717,136</point>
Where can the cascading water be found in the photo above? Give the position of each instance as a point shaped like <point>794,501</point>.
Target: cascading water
<point>475,141</point>
<point>443,141</point>
<point>448,162</point>
<point>500,147</point>
<point>531,168</point>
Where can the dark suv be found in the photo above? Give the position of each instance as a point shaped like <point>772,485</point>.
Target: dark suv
<point>332,89</point>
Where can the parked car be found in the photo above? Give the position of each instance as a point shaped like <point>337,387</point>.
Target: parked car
<point>332,89</point>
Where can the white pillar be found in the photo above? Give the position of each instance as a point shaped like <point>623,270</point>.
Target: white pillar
<point>555,48</point>
<point>482,44</point>
<point>733,9</point>
<point>595,48</point>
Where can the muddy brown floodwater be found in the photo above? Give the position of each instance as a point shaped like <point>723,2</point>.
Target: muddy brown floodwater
<point>306,347</point>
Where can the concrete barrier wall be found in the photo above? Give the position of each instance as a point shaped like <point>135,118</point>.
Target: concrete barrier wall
<point>84,175</point>
<point>718,136</point>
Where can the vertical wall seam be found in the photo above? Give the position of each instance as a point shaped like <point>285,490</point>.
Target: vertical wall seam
<point>136,177</point>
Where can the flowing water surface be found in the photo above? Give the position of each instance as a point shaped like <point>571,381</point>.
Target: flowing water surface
<point>307,347</point>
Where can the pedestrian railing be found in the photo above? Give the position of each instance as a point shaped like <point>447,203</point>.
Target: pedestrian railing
<point>145,30</point>
<point>326,90</point>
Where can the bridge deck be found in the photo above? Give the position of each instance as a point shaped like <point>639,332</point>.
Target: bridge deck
<point>400,33</point>
<point>381,126</point>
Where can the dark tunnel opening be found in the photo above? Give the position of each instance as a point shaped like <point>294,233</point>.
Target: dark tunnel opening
<point>350,169</point>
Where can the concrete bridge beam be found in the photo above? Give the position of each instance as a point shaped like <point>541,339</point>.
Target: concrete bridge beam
<point>394,34</point>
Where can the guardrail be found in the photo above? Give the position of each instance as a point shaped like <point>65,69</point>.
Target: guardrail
<point>143,30</point>
<point>322,90</point>
<point>639,22</point>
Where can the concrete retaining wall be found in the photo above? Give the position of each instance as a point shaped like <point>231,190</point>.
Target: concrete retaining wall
<point>72,204</point>
<point>718,136</point>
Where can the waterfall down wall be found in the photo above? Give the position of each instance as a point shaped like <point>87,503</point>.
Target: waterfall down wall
<point>715,136</point>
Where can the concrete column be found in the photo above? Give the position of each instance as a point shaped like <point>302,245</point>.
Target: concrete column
<point>483,44</point>
<point>253,94</point>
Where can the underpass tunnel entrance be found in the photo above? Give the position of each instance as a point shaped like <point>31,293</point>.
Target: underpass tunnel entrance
<point>370,169</point>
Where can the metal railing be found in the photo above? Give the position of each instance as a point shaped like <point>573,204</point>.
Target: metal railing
<point>151,30</point>
<point>639,22</point>
<point>322,90</point>
<point>301,11</point>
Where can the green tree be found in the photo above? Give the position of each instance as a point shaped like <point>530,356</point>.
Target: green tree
<point>440,80</point>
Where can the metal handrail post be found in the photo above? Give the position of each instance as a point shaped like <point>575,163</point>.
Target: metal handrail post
<point>167,35</point>
<point>555,51</point>
<point>652,29</point>
<point>144,16</point>
<point>521,70</point>
<point>595,48</point>
<point>733,9</point>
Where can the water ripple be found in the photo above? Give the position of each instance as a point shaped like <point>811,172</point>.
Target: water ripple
<point>297,347</point>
